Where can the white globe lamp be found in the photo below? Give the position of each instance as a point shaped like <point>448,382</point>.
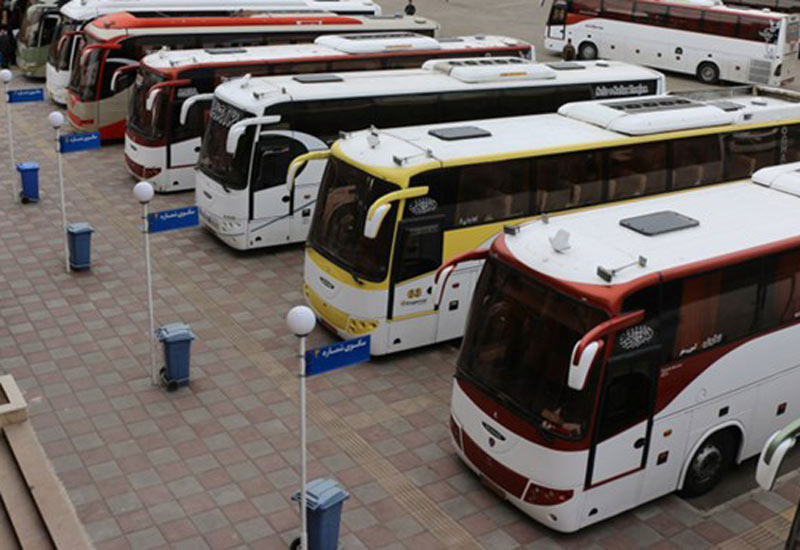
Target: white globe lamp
<point>6,76</point>
<point>56,119</point>
<point>143,191</point>
<point>301,320</point>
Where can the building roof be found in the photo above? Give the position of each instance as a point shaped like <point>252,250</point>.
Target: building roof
<point>731,219</point>
<point>326,46</point>
<point>439,75</point>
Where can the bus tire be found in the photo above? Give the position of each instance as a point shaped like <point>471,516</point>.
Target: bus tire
<point>708,464</point>
<point>708,73</point>
<point>587,51</point>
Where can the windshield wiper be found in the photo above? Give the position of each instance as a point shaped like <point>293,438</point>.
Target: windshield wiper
<point>356,279</point>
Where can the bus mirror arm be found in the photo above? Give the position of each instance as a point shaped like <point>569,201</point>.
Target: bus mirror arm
<point>444,272</point>
<point>588,347</point>
<point>236,131</point>
<point>190,102</point>
<point>378,210</point>
<point>771,457</point>
<point>118,73</point>
<point>297,164</point>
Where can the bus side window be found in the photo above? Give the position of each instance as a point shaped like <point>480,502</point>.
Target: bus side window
<point>492,192</point>
<point>419,248</point>
<point>405,110</point>
<point>696,161</point>
<point>685,18</point>
<point>617,9</point>
<point>714,308</point>
<point>588,7</point>
<point>440,199</point>
<point>48,29</point>
<point>649,13</point>
<point>273,154</point>
<point>458,106</point>
<point>518,101</point>
<point>637,170</point>
<point>722,24</point>
<point>789,144</point>
<point>757,29</point>
<point>567,181</point>
<point>747,151</point>
<point>781,302</point>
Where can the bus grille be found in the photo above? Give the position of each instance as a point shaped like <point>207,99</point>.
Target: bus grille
<point>512,482</point>
<point>760,71</point>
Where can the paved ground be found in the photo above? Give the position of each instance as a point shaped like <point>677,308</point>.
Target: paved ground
<point>214,466</point>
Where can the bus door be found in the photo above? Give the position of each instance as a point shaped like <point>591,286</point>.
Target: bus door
<point>417,255</point>
<point>622,430</point>
<point>557,22</point>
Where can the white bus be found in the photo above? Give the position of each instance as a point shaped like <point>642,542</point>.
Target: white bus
<point>396,205</point>
<point>258,126</point>
<point>162,138</point>
<point>66,43</point>
<point>699,37</point>
<point>630,351</point>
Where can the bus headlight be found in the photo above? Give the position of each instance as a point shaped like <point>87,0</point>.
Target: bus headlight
<point>778,69</point>
<point>227,226</point>
<point>543,496</point>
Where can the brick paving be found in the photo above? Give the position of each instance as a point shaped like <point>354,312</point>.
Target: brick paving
<point>214,465</point>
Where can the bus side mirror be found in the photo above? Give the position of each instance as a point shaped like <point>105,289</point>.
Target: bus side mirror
<point>378,210</point>
<point>297,164</point>
<point>771,457</point>
<point>237,130</point>
<point>373,224</point>
<point>190,102</point>
<point>580,364</point>
<point>123,77</point>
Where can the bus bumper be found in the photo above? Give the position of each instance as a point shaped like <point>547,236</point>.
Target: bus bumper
<point>146,163</point>
<point>232,233</point>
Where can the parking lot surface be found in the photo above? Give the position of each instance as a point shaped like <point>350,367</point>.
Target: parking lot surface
<point>214,465</point>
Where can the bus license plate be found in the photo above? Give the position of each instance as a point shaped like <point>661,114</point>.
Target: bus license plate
<point>494,487</point>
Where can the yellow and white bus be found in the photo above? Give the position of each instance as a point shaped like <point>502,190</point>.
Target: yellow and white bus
<point>396,205</point>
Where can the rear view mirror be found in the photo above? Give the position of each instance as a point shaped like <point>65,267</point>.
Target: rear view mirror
<point>373,224</point>
<point>190,102</point>
<point>771,457</point>
<point>581,362</point>
<point>238,129</point>
<point>378,210</point>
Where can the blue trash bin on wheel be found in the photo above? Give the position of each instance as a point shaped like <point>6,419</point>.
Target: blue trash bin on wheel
<point>79,239</point>
<point>324,498</point>
<point>177,341</point>
<point>29,175</point>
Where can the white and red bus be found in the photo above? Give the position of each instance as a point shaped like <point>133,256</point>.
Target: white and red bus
<point>163,133</point>
<point>65,43</point>
<point>699,37</point>
<point>615,355</point>
<point>122,39</point>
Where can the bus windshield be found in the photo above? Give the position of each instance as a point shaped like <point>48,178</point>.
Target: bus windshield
<point>228,170</point>
<point>337,231</point>
<point>58,57</point>
<point>518,346</point>
<point>83,80</point>
<point>148,124</point>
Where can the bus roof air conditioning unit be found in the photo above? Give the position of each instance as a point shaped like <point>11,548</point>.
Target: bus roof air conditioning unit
<point>378,42</point>
<point>490,69</point>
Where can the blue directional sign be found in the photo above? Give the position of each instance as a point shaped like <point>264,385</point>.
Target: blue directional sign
<point>336,356</point>
<point>26,95</point>
<point>167,220</point>
<point>79,142</point>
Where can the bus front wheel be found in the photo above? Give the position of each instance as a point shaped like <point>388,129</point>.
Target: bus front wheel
<point>708,73</point>
<point>587,51</point>
<point>708,465</point>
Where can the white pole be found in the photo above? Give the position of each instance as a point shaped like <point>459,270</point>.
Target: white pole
<point>153,373</point>
<point>303,519</point>
<point>63,201</point>
<point>10,142</point>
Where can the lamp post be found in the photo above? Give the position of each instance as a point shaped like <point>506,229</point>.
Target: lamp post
<point>5,78</point>
<point>56,120</point>
<point>143,191</point>
<point>301,322</point>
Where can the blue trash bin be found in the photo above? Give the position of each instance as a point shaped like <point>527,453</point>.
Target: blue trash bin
<point>79,238</point>
<point>324,498</point>
<point>177,341</point>
<point>29,174</point>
